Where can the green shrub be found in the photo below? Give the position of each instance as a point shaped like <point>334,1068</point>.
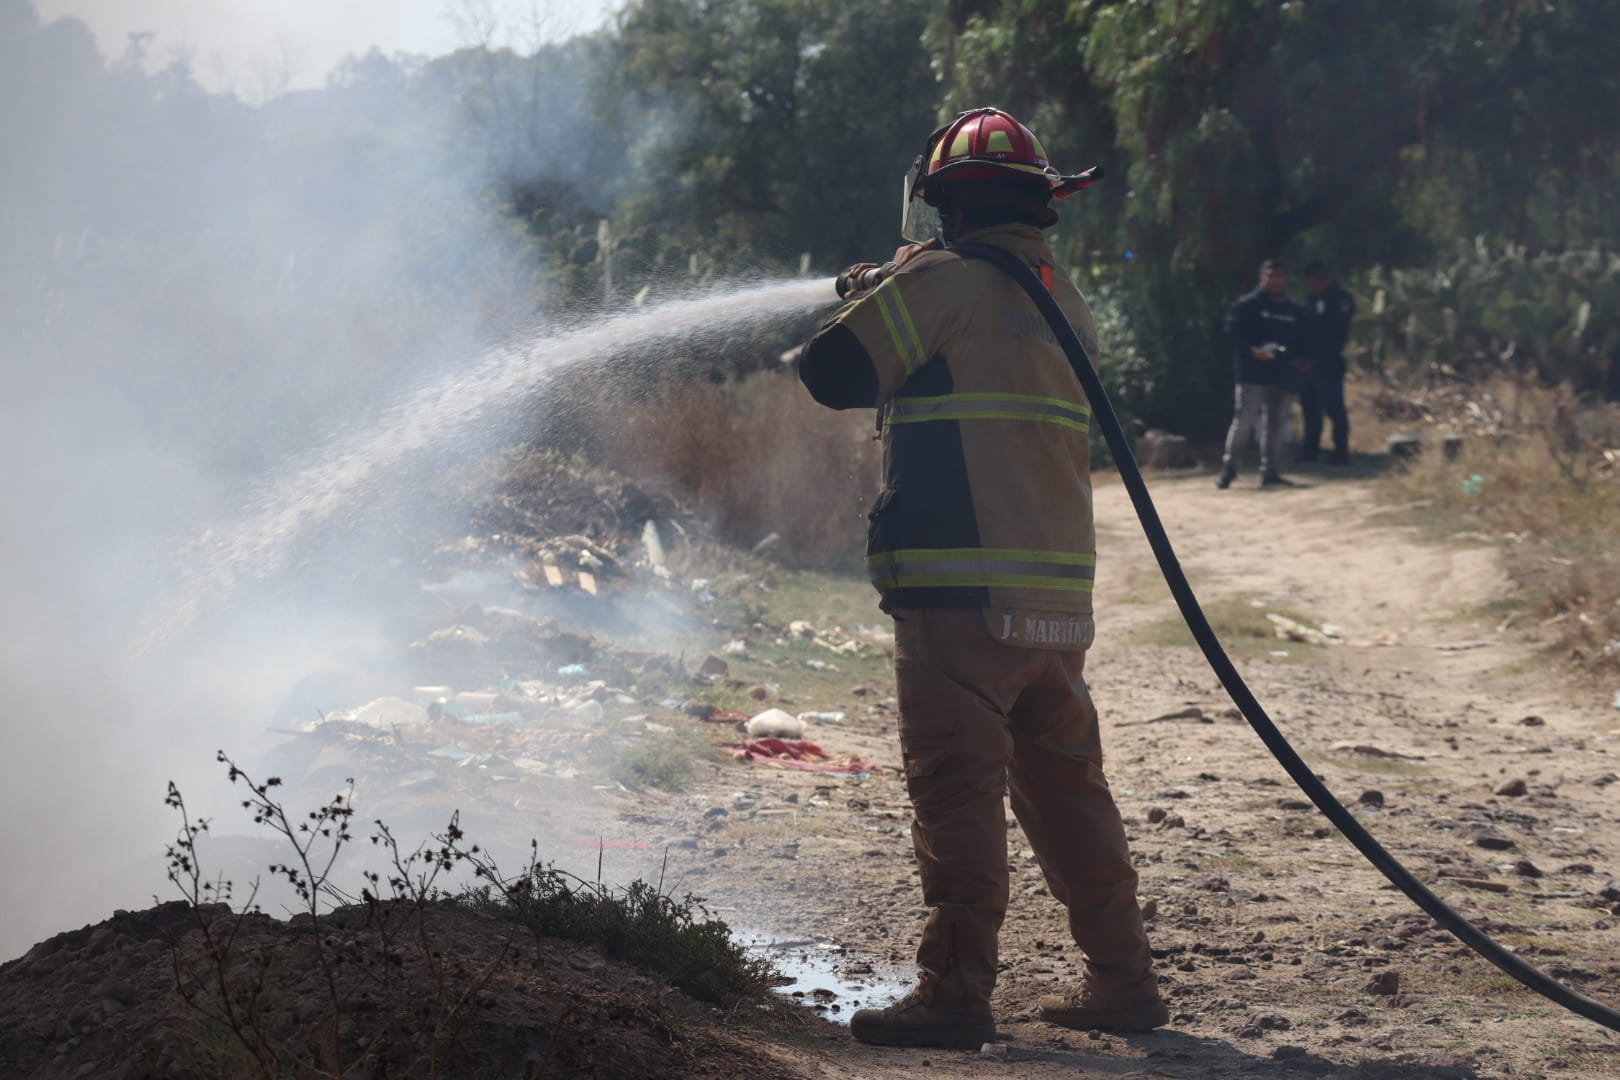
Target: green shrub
<point>1552,315</point>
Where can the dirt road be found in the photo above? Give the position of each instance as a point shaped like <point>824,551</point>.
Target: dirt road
<point>1283,954</point>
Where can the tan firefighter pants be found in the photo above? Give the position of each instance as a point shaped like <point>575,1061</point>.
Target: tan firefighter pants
<point>979,719</point>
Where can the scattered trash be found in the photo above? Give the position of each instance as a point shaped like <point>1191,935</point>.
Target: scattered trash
<point>1474,485</point>
<point>420,776</point>
<point>1289,630</point>
<point>821,718</point>
<point>1617,699</point>
<point>385,714</point>
<point>509,719</point>
<point>652,544</point>
<point>738,648</point>
<point>774,723</point>
<point>574,671</point>
<point>801,628</point>
<point>798,754</point>
<point>450,752</point>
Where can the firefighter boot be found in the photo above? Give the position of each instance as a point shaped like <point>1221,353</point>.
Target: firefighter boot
<point>913,1021</point>
<point>1098,1007</point>
<point>1228,474</point>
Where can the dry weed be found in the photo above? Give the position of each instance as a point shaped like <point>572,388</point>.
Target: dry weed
<point>755,456</point>
<point>1541,468</point>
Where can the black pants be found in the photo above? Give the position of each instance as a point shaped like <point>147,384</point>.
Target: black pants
<point>1323,395</point>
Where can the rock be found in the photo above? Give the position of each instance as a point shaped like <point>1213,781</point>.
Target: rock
<point>712,666</point>
<point>1533,721</point>
<point>1293,804</point>
<point>1526,868</point>
<point>859,691</point>
<point>758,693</point>
<point>1156,449</point>
<point>1150,910</point>
<point>1371,797</point>
<point>702,710</point>
<point>1288,1053</point>
<point>1512,788</point>
<point>1405,445</point>
<point>1488,838</point>
<point>1384,984</point>
<point>1155,815</point>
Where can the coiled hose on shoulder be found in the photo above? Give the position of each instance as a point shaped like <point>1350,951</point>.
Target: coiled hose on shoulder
<point>1103,411</point>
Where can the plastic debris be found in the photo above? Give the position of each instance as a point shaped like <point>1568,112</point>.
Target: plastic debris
<point>1474,485</point>
<point>384,714</point>
<point>774,723</point>
<point>450,752</point>
<point>574,671</point>
<point>822,717</point>
<point>510,719</point>
<point>653,545</point>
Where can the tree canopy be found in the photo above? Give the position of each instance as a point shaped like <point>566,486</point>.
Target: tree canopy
<point>717,138</point>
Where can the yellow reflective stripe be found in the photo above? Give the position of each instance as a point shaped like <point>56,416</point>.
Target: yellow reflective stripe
<point>901,329</point>
<point>1017,568</point>
<point>843,312</point>
<point>982,414</point>
<point>1040,555</point>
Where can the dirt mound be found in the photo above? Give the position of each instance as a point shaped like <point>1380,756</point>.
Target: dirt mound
<point>435,991</point>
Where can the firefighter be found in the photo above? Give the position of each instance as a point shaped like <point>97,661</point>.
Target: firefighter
<point>1266,333</point>
<point>1329,307</point>
<point>982,547</point>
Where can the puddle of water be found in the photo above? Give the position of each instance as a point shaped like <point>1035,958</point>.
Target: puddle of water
<point>827,979</point>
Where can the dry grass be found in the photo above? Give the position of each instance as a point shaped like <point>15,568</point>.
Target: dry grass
<point>755,457</point>
<point>1542,470</point>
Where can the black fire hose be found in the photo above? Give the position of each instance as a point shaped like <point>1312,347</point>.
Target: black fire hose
<point>1343,820</point>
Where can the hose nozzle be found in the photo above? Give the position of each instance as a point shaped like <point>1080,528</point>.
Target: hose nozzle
<point>862,277</point>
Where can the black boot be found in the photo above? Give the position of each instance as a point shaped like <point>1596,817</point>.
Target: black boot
<point>1228,474</point>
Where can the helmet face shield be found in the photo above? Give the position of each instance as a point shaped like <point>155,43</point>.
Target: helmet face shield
<point>919,222</point>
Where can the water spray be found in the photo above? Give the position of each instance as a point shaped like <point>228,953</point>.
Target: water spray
<point>472,398</point>
<point>1335,811</point>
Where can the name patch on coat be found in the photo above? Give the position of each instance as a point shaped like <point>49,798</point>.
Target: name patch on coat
<point>1064,630</point>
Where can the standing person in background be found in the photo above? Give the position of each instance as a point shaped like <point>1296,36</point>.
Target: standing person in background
<point>983,548</point>
<point>1329,308</point>
<point>1265,332</point>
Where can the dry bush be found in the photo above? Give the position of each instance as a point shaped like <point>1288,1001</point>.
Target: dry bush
<point>755,456</point>
<point>1542,468</point>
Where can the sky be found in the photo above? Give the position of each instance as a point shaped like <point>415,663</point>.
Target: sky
<point>259,47</point>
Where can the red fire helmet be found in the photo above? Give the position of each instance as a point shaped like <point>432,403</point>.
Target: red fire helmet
<point>988,144</point>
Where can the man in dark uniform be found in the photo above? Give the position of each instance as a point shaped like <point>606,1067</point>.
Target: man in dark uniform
<point>1265,331</point>
<point>1328,308</point>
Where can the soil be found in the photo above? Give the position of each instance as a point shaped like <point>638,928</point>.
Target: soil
<point>1433,710</point>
